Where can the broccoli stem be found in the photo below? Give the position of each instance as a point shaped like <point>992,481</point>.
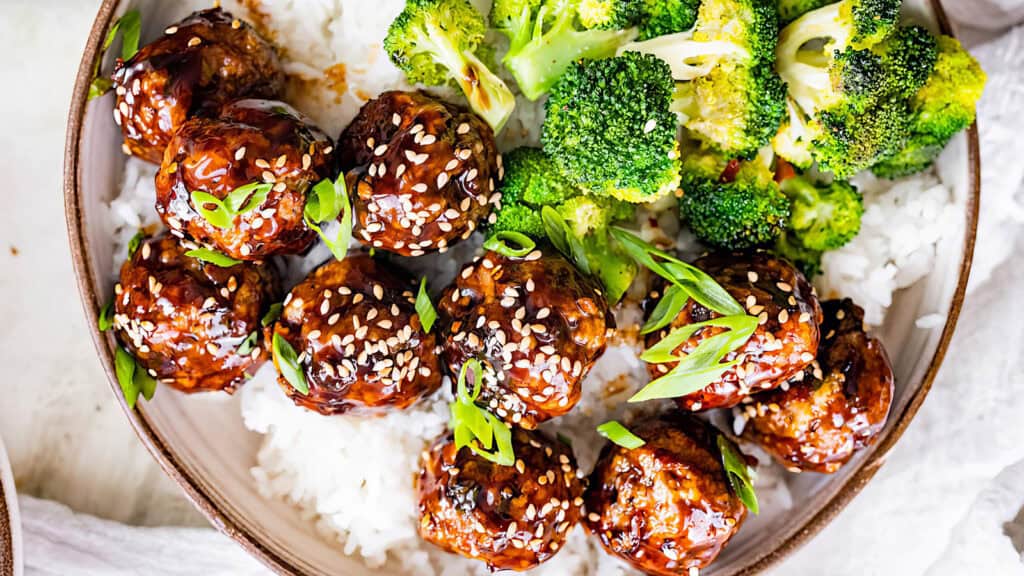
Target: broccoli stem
<point>689,59</point>
<point>487,94</point>
<point>825,22</point>
<point>538,62</point>
<point>806,71</point>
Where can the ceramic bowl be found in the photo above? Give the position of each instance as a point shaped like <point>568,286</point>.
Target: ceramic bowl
<point>201,443</point>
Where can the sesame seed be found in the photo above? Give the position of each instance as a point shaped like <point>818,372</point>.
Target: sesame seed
<point>280,161</point>
<point>752,276</point>
<point>783,317</point>
<point>380,150</point>
<point>650,126</point>
<point>194,41</point>
<point>451,164</point>
<point>804,317</point>
<point>463,128</point>
<point>421,187</point>
<point>428,139</point>
<point>378,291</point>
<point>784,286</point>
<point>396,119</point>
<point>240,153</point>
<point>171,30</point>
<point>442,179</point>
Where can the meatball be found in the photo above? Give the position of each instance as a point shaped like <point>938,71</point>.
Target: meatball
<point>252,141</point>
<point>184,320</point>
<point>665,507</point>
<point>198,64</point>
<point>511,517</point>
<point>837,406</point>
<point>536,325</point>
<point>423,171</point>
<point>362,346</point>
<point>783,344</point>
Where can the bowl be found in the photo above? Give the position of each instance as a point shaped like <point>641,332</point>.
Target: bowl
<point>201,442</point>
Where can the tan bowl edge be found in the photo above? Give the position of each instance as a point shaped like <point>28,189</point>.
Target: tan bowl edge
<point>194,489</point>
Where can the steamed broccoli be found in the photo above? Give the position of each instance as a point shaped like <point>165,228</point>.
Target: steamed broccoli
<point>436,41</point>
<point>732,204</point>
<point>532,182</point>
<point>607,14</point>
<point>846,24</point>
<point>848,107</point>
<point>942,108</point>
<point>728,93</point>
<point>663,17</point>
<point>544,40</point>
<point>790,10</point>
<point>823,217</point>
<point>609,128</point>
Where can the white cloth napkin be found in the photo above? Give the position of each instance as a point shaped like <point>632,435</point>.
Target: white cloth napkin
<point>956,480</point>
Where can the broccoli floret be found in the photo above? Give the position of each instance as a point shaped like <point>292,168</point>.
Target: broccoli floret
<point>608,14</point>
<point>848,106</point>
<point>823,217</point>
<point>945,105</point>
<point>846,24</point>
<point>609,128</point>
<point>790,10</point>
<point>728,94</point>
<point>663,17</point>
<point>532,181</point>
<point>732,204</point>
<point>544,40</point>
<point>437,41</point>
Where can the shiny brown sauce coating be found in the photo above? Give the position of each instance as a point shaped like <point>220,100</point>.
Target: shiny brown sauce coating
<point>198,64</point>
<point>783,344</point>
<point>511,517</point>
<point>184,319</point>
<point>362,344</point>
<point>838,406</point>
<point>665,507</point>
<point>261,141</point>
<point>536,325</point>
<point>423,172</point>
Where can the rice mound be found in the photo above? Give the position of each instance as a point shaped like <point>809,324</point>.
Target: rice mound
<point>365,500</point>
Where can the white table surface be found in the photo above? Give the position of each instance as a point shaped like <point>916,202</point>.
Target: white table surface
<point>69,442</point>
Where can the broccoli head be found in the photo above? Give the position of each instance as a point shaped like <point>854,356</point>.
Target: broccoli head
<point>728,94</point>
<point>438,41</point>
<point>544,40</point>
<point>609,129</point>
<point>943,107</point>
<point>608,14</point>
<point>663,17</point>
<point>533,182</point>
<point>845,143</point>
<point>823,217</point>
<point>790,10</point>
<point>732,204</point>
<point>857,24</point>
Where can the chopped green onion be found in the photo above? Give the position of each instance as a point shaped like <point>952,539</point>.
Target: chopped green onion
<point>671,304</point>
<point>498,242</point>
<point>738,472</point>
<point>697,283</point>
<point>473,427</point>
<point>288,363</point>
<point>212,257</point>
<point>273,313</point>
<point>248,197</point>
<point>106,318</point>
<point>249,344</point>
<point>324,202</point>
<point>135,242</point>
<point>620,435</point>
<point>130,22</point>
<point>132,378</point>
<point>220,215</point>
<point>425,308</point>
<point>703,365</point>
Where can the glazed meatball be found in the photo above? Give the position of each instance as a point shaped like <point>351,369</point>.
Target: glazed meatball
<point>184,320</point>
<point>511,517</point>
<point>205,60</point>
<point>665,507</point>
<point>424,172</point>
<point>536,325</point>
<point>837,406</point>
<point>783,344</point>
<point>362,346</point>
<point>252,141</point>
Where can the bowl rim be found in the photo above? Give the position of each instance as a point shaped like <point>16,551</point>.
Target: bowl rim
<point>222,517</point>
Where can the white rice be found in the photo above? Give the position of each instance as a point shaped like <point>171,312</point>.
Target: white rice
<point>365,501</point>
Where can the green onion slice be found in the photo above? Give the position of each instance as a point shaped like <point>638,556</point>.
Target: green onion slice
<point>249,344</point>
<point>473,427</point>
<point>288,363</point>
<point>521,244</point>
<point>670,305</point>
<point>324,202</point>
<point>273,313</point>
<point>135,242</point>
<point>425,308</point>
<point>132,378</point>
<point>620,435</point>
<point>220,215</point>
<point>738,472</point>
<point>248,197</point>
<point>131,26</point>
<point>105,321</point>
<point>212,257</point>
